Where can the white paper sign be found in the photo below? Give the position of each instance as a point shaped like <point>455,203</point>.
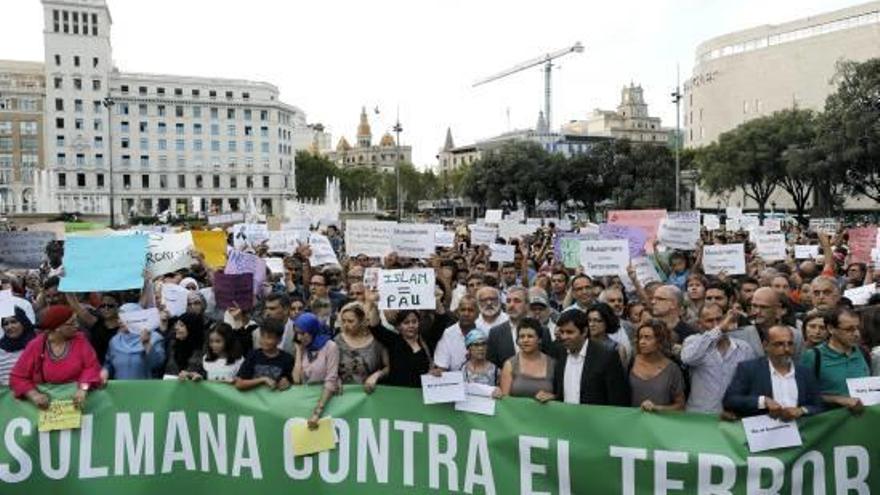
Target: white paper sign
<point>413,240</point>
<point>406,289</point>
<point>167,253</point>
<point>732,224</point>
<point>444,239</point>
<point>174,298</point>
<point>249,234</point>
<point>605,257</point>
<point>772,224</point>
<point>275,265</point>
<point>860,295</point>
<point>7,305</point>
<point>680,230</point>
<point>806,252</point>
<point>478,400</point>
<point>369,238</point>
<point>286,241</point>
<point>766,433</point>
<point>494,216</point>
<point>771,247</point>
<point>448,387</point>
<point>23,249</point>
<point>225,218</point>
<point>824,225</point>
<point>867,389</point>
<point>322,251</point>
<point>645,271</point>
<point>140,320</point>
<point>711,222</point>
<point>371,278</point>
<point>733,212</point>
<point>502,253</point>
<point>509,229</point>
<point>481,234</point>
<point>729,258</point>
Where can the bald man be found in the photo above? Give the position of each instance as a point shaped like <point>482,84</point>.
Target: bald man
<point>765,311</point>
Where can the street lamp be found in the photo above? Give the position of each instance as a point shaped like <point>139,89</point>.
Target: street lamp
<point>397,130</point>
<point>676,98</point>
<point>108,103</point>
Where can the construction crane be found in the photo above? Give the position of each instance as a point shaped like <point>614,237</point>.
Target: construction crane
<point>547,60</point>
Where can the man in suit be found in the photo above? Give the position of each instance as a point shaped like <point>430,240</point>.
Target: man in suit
<point>502,338</point>
<point>774,384</point>
<point>589,372</point>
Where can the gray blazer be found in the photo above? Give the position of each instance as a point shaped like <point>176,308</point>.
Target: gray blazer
<point>502,347</point>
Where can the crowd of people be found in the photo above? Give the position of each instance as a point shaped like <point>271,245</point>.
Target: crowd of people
<point>780,340</point>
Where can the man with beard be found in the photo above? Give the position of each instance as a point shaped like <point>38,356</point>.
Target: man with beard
<point>502,337</point>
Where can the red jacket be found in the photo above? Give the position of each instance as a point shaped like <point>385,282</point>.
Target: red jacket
<point>34,366</point>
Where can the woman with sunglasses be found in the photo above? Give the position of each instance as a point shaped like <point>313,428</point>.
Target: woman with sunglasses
<point>17,332</point>
<point>60,354</point>
<point>101,327</point>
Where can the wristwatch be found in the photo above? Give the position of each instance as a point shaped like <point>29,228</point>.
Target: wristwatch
<point>805,411</point>
<point>84,387</point>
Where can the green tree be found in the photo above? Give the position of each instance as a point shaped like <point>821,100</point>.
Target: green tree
<point>312,173</point>
<point>360,182</point>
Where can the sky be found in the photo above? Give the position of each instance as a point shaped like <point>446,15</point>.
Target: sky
<point>331,57</point>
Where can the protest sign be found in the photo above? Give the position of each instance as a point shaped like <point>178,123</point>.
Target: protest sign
<point>174,297</point>
<point>448,387</point>
<point>240,262</point>
<point>413,240</point>
<point>570,251</point>
<point>770,247</point>
<point>516,215</point>
<point>371,278</point>
<point>167,253</point>
<point>322,251</point>
<point>296,224</point>
<point>234,290</point>
<point>306,441</point>
<point>861,241</point>
<point>104,263</point>
<point>645,270</point>
<point>732,224</point>
<point>534,223</point>
<point>860,296</point>
<point>61,414</point>
<point>7,304</point>
<point>806,252</point>
<point>733,212</point>
<point>647,220</point>
<point>824,225</point>
<point>226,218</point>
<point>444,239</point>
<point>23,249</point>
<point>286,241</point>
<point>527,447</point>
<point>212,245</point>
<point>728,258</point>
<point>509,229</point>
<point>772,224</point>
<point>866,389</point>
<point>680,230</point>
<point>249,234</point>
<point>502,253</point>
<point>478,399</point>
<point>371,238</point>
<point>494,216</point>
<point>635,236</point>
<point>56,228</point>
<point>275,265</point>
<point>141,319</point>
<point>481,234</point>
<point>711,222</point>
<point>766,433</point>
<point>406,289</point>
<point>604,257</point>
<point>563,225</point>
<point>749,223</point>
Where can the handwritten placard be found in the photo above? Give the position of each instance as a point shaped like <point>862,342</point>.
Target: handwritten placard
<point>711,222</point>
<point>770,247</point>
<point>104,263</point>
<point>647,220</point>
<point>502,253</point>
<point>240,262</point>
<point>139,320</point>
<point>322,251</point>
<point>370,238</point>
<point>234,290</point>
<point>444,239</point>
<point>483,234</point>
<point>866,389</point>
<point>806,252</point>
<point>174,297</point>
<point>449,387</point>
<point>478,399</point>
<point>406,289</point>
<point>411,240</point>
<point>167,253</point>
<point>728,258</point>
<point>861,241</point>
<point>605,257</point>
<point>680,230</point>
<point>645,270</point>
<point>494,216</point>
<point>824,225</point>
<point>61,415</point>
<point>765,433</point>
<point>23,249</point>
<point>635,236</point>
<point>860,296</point>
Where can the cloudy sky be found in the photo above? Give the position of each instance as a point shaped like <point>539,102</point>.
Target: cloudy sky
<point>330,57</point>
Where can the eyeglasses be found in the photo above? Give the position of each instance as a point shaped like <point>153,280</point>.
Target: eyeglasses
<point>107,306</point>
<point>317,284</point>
<point>488,300</point>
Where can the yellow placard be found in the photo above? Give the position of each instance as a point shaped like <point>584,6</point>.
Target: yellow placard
<point>306,441</point>
<point>61,415</point>
<point>213,245</point>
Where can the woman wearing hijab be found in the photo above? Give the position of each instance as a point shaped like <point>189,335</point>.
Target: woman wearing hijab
<point>184,343</point>
<point>17,332</point>
<point>60,354</point>
<point>134,355</point>
<point>317,360</point>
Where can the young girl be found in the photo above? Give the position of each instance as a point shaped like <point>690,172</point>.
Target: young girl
<point>221,360</point>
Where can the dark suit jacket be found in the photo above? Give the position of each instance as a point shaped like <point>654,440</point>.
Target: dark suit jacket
<point>501,346</point>
<point>752,380</point>
<point>603,381</point>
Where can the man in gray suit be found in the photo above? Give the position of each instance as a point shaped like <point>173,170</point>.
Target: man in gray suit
<point>502,338</point>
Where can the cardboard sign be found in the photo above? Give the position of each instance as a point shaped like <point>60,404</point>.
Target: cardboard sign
<point>168,253</point>
<point>647,220</point>
<point>23,249</point>
<point>502,253</point>
<point>645,270</point>
<point>369,238</point>
<point>139,320</point>
<point>226,218</point>
<point>771,247</point>
<point>680,230</point>
<point>104,263</point>
<point>444,239</point>
<point>481,234</point>
<point>806,252</point>
<point>212,245</point>
<point>636,237</point>
<point>61,415</point>
<point>240,262</point>
<point>449,387</point>
<point>306,441</point>
<point>7,304</point>
<point>733,212</point>
<point>861,241</point>
<point>406,289</point>
<point>275,265</point>
<point>765,433</point>
<point>510,229</point>
<point>322,251</point>
<point>412,240</point>
<point>729,258</point>
<point>232,290</point>
<point>824,225</point>
<point>772,224</point>
<point>249,234</point>
<point>570,252</point>
<point>286,241</point>
<point>479,399</point>
<point>711,222</point>
<point>494,216</point>
<point>605,257</point>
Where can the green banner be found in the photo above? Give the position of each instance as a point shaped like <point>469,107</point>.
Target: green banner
<point>168,437</point>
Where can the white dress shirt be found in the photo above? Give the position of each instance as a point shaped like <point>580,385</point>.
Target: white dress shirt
<point>574,368</point>
<point>451,352</point>
<point>785,390</point>
<point>485,326</point>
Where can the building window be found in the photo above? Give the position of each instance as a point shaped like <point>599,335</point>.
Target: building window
<point>124,127</point>
<point>126,181</point>
<point>230,113</point>
<point>99,181</point>
<point>265,182</point>
<point>179,145</point>
<point>145,181</point>
<point>181,181</point>
<point>197,129</point>
<point>75,57</point>
<point>161,110</point>
<point>215,129</point>
<point>143,110</point>
<point>80,180</point>
<point>59,82</point>
<point>160,91</point>
<point>198,181</point>
<point>215,113</point>
<point>62,180</point>
<point>178,111</point>
<point>57,59</point>
<point>230,130</point>
<point>99,142</point>
<point>145,144</point>
<point>231,146</point>
<point>233,182</point>
<point>264,147</point>
<point>163,181</point>
<point>249,182</point>
<point>229,95</point>
<point>246,96</point>
<point>197,145</point>
<point>78,106</point>
<point>59,141</point>
<point>195,93</point>
<point>60,159</point>
<point>99,160</point>
<point>178,91</point>
<point>215,145</point>
<point>249,146</point>
<point>162,127</point>
<point>163,144</point>
<point>212,93</point>
<point>264,131</point>
<point>143,126</point>
<point>163,161</point>
<point>142,90</point>
<point>124,143</point>
<point>59,123</point>
<point>126,160</point>
<point>98,125</point>
<point>94,62</point>
<point>96,84</point>
<point>77,83</point>
<point>178,128</point>
<point>55,18</point>
<point>59,104</point>
<point>197,112</point>
<point>247,114</point>
<point>264,115</point>
<point>216,181</point>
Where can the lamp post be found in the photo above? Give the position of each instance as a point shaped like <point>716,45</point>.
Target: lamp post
<point>676,98</point>
<point>397,130</point>
<point>108,103</point>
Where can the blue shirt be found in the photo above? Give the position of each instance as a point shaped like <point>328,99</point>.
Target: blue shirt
<point>127,360</point>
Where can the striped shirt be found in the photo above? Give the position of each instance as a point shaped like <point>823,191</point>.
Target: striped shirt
<point>7,362</point>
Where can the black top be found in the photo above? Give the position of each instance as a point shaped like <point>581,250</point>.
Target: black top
<point>258,365</point>
<point>407,366</point>
<point>99,336</point>
<point>683,330</point>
